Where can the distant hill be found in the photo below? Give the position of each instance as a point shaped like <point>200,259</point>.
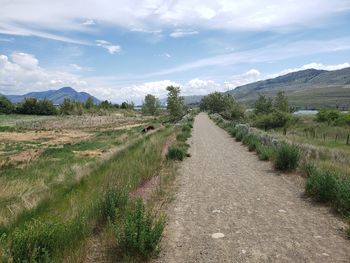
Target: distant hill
<point>56,96</point>
<point>309,88</point>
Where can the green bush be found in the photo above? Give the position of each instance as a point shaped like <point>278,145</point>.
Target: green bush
<point>39,241</point>
<point>177,152</point>
<point>276,119</point>
<point>322,185</point>
<point>140,234</point>
<point>114,199</point>
<point>265,152</point>
<point>251,140</point>
<point>287,157</point>
<point>232,131</point>
<point>240,134</point>
<point>343,196</point>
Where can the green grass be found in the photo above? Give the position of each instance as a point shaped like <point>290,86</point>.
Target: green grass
<point>126,170</point>
<point>10,120</point>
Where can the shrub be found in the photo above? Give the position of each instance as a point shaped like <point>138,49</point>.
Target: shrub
<point>265,152</point>
<point>114,199</point>
<point>287,157</point>
<point>177,152</point>
<point>39,240</point>
<point>140,234</point>
<point>328,115</point>
<point>343,196</point>
<point>232,131</point>
<point>240,135</point>
<point>322,184</point>
<point>277,119</point>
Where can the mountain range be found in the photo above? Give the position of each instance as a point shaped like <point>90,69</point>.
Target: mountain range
<point>309,88</point>
<point>305,89</point>
<point>56,96</point>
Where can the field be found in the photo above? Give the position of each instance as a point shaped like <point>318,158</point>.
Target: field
<point>326,145</point>
<point>57,169</point>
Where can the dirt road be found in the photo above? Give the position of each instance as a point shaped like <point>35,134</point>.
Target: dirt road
<point>226,190</point>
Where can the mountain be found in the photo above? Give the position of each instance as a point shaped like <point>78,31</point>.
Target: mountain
<point>309,88</point>
<point>56,96</point>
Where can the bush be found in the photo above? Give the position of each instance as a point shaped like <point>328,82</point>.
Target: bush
<point>39,241</point>
<point>114,199</point>
<point>140,233</point>
<point>177,152</point>
<point>240,135</point>
<point>322,185</point>
<point>343,196</point>
<point>328,115</point>
<point>277,119</point>
<point>265,152</point>
<point>287,157</point>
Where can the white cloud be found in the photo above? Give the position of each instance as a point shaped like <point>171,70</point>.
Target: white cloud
<point>45,16</point>
<point>22,73</point>
<point>26,61</point>
<point>198,86</point>
<point>111,48</point>
<point>166,55</point>
<point>7,39</point>
<point>88,22</point>
<point>250,76</point>
<point>183,33</point>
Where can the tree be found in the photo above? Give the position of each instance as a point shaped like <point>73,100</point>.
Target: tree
<point>45,107</point>
<point>281,102</point>
<point>67,107</point>
<point>127,105</point>
<point>89,104</point>
<point>263,105</point>
<point>175,103</point>
<point>6,105</point>
<point>150,105</point>
<point>223,104</point>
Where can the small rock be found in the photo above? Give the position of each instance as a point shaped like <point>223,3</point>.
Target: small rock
<point>325,254</point>
<point>217,235</point>
<point>216,211</point>
<point>282,211</point>
<point>258,199</point>
<point>317,237</point>
<point>243,251</point>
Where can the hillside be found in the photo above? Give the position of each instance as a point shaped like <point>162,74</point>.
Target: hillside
<point>309,88</point>
<point>56,96</point>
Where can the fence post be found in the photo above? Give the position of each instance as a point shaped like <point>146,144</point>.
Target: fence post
<point>347,139</point>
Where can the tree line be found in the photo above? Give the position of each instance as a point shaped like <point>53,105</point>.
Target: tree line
<point>33,106</point>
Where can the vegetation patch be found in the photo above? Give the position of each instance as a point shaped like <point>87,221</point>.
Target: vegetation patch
<point>287,157</point>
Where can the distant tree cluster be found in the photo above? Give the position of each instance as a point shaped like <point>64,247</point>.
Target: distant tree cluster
<point>273,113</point>
<point>28,106</point>
<point>223,104</point>
<point>35,106</point>
<point>333,117</point>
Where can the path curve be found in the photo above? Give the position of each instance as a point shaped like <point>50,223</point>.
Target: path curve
<point>225,189</point>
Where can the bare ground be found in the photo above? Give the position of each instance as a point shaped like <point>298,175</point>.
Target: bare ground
<point>263,216</point>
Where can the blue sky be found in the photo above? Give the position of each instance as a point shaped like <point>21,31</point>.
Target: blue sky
<point>123,50</point>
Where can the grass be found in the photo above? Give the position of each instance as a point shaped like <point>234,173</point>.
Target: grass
<point>126,170</point>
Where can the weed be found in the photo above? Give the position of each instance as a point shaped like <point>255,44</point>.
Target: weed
<point>177,152</point>
<point>140,234</point>
<point>287,157</point>
<point>265,152</point>
<point>114,199</point>
<point>342,201</point>
<point>322,184</point>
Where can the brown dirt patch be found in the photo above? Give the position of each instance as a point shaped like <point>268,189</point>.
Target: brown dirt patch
<point>90,153</point>
<point>22,157</point>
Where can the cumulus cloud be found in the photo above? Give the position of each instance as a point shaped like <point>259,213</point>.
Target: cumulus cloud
<point>22,73</point>
<point>111,48</point>
<point>183,33</point>
<point>159,14</point>
<point>250,76</point>
<point>198,86</point>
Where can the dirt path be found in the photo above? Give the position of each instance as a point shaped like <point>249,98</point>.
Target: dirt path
<point>225,189</point>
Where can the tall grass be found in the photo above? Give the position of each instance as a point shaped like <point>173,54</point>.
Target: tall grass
<point>126,170</point>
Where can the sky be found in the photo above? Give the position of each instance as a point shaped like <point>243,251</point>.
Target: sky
<point>125,49</point>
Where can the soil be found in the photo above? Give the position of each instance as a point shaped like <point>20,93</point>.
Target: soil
<point>231,207</point>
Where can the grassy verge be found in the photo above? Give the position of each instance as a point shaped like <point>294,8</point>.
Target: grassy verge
<point>74,208</point>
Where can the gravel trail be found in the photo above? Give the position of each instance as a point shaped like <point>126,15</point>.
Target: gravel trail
<point>225,190</point>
